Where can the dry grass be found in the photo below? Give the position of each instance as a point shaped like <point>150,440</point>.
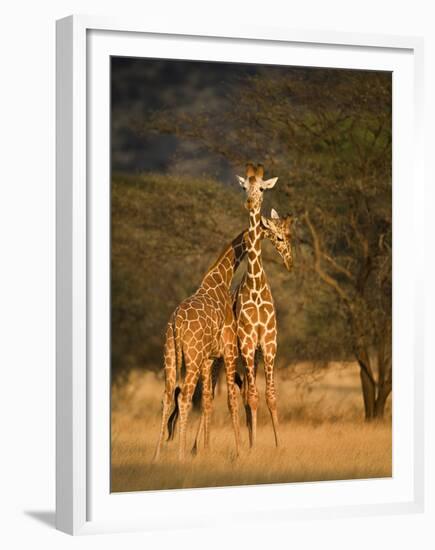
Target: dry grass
<point>323,433</point>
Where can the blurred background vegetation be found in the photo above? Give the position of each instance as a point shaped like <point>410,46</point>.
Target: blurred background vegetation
<point>182,130</point>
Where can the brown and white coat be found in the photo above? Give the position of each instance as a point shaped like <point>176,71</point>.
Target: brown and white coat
<point>255,309</point>
<point>201,329</point>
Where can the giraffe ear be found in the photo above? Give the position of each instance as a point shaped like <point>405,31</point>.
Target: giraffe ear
<point>268,184</point>
<point>241,181</point>
<point>274,214</point>
<point>265,222</point>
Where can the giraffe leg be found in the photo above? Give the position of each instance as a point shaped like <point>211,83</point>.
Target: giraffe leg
<point>207,403</point>
<point>195,447</point>
<point>166,406</point>
<point>251,403</point>
<point>170,380</point>
<point>271,393</point>
<point>245,402</point>
<point>207,400</point>
<point>185,403</point>
<point>245,397</point>
<point>230,371</point>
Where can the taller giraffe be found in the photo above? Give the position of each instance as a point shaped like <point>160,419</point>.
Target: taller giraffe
<point>255,309</point>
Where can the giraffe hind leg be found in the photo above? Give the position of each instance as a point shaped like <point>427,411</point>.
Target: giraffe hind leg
<point>170,381</point>
<point>207,399</point>
<point>248,416</point>
<point>166,406</point>
<point>271,395</point>
<point>216,368</point>
<point>249,390</point>
<point>249,419</point>
<point>195,447</point>
<point>185,405</point>
<point>230,369</point>
<point>206,405</point>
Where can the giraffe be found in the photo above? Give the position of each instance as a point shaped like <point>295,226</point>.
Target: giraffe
<point>255,309</point>
<point>201,329</point>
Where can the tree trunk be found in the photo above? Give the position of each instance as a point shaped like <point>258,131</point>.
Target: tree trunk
<point>383,393</point>
<point>369,394</point>
<point>380,404</point>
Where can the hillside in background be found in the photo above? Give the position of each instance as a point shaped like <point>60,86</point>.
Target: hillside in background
<point>166,232</point>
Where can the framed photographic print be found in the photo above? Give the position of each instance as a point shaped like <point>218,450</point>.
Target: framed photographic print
<point>237,275</point>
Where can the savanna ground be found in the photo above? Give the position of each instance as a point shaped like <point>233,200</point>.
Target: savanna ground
<point>322,428</point>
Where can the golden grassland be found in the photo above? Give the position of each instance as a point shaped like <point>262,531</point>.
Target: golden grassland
<point>321,425</point>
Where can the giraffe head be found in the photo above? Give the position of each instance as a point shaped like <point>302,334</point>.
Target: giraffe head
<point>254,185</point>
<point>278,231</point>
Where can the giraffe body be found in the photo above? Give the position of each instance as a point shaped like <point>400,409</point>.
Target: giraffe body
<point>203,328</point>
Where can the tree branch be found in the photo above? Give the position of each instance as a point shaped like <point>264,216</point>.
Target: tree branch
<point>318,254</point>
<point>337,266</point>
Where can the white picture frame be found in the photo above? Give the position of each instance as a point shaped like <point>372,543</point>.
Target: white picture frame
<point>83,503</point>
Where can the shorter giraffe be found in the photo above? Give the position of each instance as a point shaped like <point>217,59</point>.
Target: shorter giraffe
<point>201,329</point>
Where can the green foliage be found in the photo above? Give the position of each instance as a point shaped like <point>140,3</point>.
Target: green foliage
<point>327,134</point>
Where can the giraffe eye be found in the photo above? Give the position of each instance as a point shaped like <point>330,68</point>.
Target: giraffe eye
<point>261,189</point>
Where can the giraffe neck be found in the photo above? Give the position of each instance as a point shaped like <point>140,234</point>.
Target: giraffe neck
<point>254,272</point>
<point>226,265</point>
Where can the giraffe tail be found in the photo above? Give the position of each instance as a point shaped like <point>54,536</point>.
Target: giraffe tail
<point>172,421</point>
<point>178,346</point>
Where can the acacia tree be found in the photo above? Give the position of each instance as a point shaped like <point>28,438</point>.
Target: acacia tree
<point>327,134</point>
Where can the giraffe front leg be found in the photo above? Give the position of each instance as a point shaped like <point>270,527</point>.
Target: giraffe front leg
<point>269,360</point>
<point>251,395</point>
